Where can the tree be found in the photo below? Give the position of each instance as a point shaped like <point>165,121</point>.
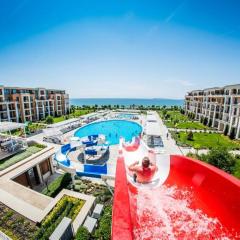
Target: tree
<point>226,130</point>
<point>221,158</point>
<point>72,109</point>
<point>49,120</point>
<point>190,136</point>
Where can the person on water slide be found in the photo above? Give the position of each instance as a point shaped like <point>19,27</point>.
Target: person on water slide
<point>143,173</point>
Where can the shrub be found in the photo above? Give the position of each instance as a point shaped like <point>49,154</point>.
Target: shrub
<point>66,207</point>
<point>226,130</point>
<point>82,234</point>
<point>104,230</point>
<point>205,121</point>
<point>232,133</point>
<point>210,122</point>
<point>57,185</point>
<point>190,136</point>
<point>49,120</point>
<point>221,158</point>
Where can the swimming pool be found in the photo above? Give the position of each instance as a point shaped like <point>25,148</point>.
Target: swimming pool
<point>112,129</point>
<point>127,115</point>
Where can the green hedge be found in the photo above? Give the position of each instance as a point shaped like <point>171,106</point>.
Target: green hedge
<point>104,230</point>
<point>82,234</point>
<point>66,207</point>
<point>57,185</point>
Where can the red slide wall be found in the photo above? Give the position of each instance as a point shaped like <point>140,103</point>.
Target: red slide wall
<point>121,217</point>
<point>217,193</point>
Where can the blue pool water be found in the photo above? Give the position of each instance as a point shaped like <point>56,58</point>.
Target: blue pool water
<point>127,115</point>
<point>112,129</point>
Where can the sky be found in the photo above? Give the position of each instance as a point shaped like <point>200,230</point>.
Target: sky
<point>120,48</point>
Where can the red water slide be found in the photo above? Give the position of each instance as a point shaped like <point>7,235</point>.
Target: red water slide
<point>197,201</point>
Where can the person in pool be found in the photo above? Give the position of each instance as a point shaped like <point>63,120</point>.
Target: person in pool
<point>143,173</point>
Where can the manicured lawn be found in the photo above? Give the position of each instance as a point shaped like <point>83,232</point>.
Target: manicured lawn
<point>178,120</point>
<point>20,156</point>
<point>207,140</point>
<point>169,124</point>
<point>58,119</point>
<point>186,125</point>
<point>80,112</point>
<point>191,125</point>
<point>173,114</point>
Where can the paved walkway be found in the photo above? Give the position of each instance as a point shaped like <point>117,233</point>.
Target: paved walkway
<point>170,145</point>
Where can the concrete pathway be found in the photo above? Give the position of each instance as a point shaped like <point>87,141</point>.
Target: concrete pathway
<point>170,145</point>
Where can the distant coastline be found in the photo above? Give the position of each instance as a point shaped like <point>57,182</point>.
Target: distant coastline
<point>126,101</point>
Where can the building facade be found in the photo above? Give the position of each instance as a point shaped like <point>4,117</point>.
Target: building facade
<point>220,107</point>
<point>31,104</point>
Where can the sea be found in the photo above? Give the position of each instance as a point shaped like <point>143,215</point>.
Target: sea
<point>126,101</point>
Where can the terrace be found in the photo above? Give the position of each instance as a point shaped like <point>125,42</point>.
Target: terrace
<point>10,145</point>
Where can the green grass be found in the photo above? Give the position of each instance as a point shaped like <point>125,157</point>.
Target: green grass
<point>186,125</point>
<point>20,156</point>
<point>236,171</point>
<point>207,140</point>
<point>57,185</point>
<point>178,120</point>
<point>77,113</point>
<point>58,119</point>
<point>80,112</point>
<point>177,115</point>
<point>191,125</point>
<point>169,124</point>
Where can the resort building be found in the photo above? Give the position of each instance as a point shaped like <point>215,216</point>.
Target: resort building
<point>220,107</point>
<point>31,104</point>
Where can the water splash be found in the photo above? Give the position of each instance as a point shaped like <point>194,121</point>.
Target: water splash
<point>165,213</point>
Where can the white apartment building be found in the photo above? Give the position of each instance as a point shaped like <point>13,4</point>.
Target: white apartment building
<point>220,106</point>
<point>31,104</point>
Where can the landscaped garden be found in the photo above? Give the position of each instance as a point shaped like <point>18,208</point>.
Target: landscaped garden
<point>19,228</point>
<point>66,207</point>
<point>203,140</point>
<point>103,196</point>
<point>30,150</point>
<point>177,119</point>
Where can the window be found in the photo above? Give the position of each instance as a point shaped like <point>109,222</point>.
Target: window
<point>6,91</point>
